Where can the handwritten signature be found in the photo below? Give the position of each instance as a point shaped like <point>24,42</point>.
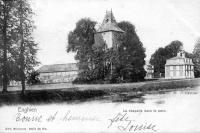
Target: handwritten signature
<point>124,123</point>
<point>52,117</point>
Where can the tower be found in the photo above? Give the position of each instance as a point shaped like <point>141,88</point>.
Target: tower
<point>107,36</point>
<point>108,31</point>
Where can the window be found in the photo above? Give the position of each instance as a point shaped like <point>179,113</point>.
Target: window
<point>167,68</point>
<point>180,70</point>
<point>174,71</point>
<point>171,67</point>
<point>174,67</point>
<point>177,67</point>
<point>167,73</point>
<point>187,67</point>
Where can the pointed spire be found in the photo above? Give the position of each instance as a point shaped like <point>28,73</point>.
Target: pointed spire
<point>111,15</point>
<point>109,23</point>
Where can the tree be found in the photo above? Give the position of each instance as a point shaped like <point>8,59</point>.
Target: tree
<point>80,41</point>
<point>97,62</point>
<point>33,78</point>
<point>100,69</point>
<point>5,34</point>
<point>172,49</point>
<point>26,48</point>
<point>20,47</point>
<point>196,58</point>
<point>158,59</point>
<point>105,61</point>
<point>131,54</point>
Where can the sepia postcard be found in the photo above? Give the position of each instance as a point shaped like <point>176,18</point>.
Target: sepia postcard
<point>70,66</point>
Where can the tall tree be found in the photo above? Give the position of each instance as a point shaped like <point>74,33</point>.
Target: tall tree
<point>26,48</point>
<point>158,60</point>
<point>18,50</point>
<point>97,62</point>
<point>196,58</point>
<point>5,9</point>
<point>22,48</point>
<point>173,48</point>
<point>80,41</point>
<point>131,54</point>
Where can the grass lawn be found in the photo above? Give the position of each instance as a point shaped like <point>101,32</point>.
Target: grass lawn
<point>85,92</point>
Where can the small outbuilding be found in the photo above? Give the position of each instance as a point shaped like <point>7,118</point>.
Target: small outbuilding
<point>179,67</point>
<point>149,70</point>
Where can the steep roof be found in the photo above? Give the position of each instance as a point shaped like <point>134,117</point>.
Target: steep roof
<point>109,23</point>
<point>179,61</point>
<point>58,68</point>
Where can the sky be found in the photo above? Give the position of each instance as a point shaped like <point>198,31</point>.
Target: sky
<point>157,22</point>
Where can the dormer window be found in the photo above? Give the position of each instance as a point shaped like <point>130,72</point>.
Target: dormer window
<point>107,20</point>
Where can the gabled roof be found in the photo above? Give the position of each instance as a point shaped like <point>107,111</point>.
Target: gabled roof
<point>179,61</point>
<point>109,23</point>
<point>58,68</point>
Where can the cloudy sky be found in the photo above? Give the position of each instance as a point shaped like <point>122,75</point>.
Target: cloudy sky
<point>158,22</point>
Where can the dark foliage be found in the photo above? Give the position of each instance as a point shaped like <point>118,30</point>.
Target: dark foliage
<point>99,64</point>
<point>131,54</point>
<point>18,41</point>
<point>49,96</point>
<point>196,58</point>
<point>33,78</point>
<point>80,41</point>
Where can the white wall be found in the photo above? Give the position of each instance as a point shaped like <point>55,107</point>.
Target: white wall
<point>107,36</point>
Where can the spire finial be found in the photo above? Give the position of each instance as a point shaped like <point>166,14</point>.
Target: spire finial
<point>111,15</point>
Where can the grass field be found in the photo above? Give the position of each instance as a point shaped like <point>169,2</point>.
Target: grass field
<point>55,93</point>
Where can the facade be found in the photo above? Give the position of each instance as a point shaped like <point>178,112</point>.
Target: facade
<point>179,67</point>
<point>149,71</point>
<point>58,73</point>
<point>108,31</point>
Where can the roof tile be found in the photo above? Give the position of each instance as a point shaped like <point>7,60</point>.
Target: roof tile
<point>58,68</point>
